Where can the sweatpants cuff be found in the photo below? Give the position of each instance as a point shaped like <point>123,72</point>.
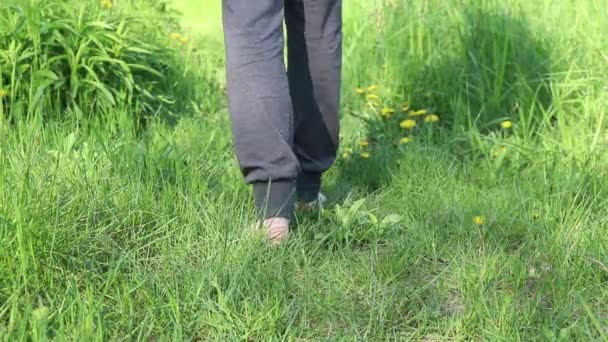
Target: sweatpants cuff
<point>274,199</point>
<point>309,186</point>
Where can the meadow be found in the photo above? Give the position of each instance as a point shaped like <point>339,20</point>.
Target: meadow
<point>469,200</point>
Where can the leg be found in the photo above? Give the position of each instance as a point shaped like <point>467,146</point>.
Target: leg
<point>314,30</point>
<point>259,102</point>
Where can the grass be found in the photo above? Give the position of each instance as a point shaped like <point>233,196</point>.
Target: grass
<point>114,229</point>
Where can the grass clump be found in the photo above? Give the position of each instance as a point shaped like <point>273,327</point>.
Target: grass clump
<point>77,59</point>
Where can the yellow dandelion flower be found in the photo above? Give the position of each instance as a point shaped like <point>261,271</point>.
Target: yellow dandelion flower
<point>175,36</point>
<point>345,155</point>
<point>183,40</point>
<point>499,151</point>
<point>3,92</point>
<point>360,91</point>
<point>363,143</point>
<point>373,104</point>
<point>479,220</point>
<point>419,112</point>
<point>372,88</point>
<point>506,124</point>
<point>408,123</point>
<point>373,97</point>
<point>387,111</point>
<point>432,118</point>
<point>365,155</point>
<point>405,140</point>
<point>107,4</point>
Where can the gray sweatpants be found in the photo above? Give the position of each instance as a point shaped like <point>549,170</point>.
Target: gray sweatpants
<point>284,120</point>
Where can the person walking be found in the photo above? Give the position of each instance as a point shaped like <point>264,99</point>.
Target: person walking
<point>284,117</point>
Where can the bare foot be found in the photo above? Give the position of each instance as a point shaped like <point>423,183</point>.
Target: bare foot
<point>317,204</point>
<point>277,229</point>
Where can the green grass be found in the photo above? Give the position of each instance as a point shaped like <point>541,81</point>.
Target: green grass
<point>116,229</point>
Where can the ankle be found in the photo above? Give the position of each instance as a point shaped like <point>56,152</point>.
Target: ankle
<point>274,199</point>
<point>308,186</point>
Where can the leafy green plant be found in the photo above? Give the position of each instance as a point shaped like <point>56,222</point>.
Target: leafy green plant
<point>353,224</point>
<point>55,60</point>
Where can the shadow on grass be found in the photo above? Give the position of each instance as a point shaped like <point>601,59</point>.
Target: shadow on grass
<point>498,73</point>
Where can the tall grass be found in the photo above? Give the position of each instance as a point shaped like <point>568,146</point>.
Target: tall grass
<point>70,60</point>
<point>479,64</point>
<point>112,230</point>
